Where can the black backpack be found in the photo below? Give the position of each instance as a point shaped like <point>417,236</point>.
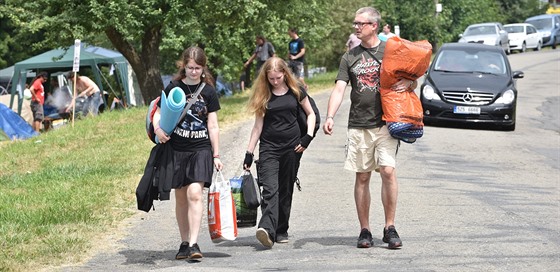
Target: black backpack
<point>302,118</point>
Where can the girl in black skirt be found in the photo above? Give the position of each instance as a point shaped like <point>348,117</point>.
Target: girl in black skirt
<point>195,144</point>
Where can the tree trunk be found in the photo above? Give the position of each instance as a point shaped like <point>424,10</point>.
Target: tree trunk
<point>145,63</point>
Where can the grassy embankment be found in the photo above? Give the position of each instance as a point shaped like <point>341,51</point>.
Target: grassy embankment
<point>62,191</point>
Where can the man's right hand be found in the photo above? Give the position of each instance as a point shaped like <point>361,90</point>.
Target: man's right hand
<point>328,126</point>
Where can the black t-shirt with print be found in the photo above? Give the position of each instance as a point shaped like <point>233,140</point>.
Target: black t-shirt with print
<point>295,46</point>
<point>191,134</point>
<point>358,67</point>
<point>280,127</point>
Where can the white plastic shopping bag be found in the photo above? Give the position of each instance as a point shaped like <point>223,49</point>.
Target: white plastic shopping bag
<point>222,221</point>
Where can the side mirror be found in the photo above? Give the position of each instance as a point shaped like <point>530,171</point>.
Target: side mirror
<point>518,74</point>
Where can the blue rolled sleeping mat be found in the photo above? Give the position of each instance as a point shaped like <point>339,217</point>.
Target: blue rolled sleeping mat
<point>170,110</point>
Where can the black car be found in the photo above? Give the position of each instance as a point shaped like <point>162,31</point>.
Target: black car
<point>470,83</point>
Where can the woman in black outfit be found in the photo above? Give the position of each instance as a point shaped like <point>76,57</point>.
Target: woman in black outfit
<point>275,101</point>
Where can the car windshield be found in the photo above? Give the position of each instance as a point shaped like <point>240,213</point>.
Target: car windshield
<point>541,24</point>
<point>463,61</point>
<point>480,30</point>
<point>514,29</point>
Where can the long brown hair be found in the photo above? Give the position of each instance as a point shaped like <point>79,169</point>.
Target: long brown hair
<point>262,90</point>
<point>197,54</point>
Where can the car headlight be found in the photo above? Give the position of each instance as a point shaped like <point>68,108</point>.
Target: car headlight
<point>429,93</point>
<point>546,34</point>
<point>506,98</point>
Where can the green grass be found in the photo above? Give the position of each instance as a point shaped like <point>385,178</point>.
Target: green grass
<point>321,82</point>
<point>63,190</point>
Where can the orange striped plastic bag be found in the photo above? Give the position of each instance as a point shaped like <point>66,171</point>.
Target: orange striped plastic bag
<point>403,59</point>
<point>222,221</point>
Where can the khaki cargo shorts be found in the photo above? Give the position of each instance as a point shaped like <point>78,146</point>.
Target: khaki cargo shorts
<point>369,149</point>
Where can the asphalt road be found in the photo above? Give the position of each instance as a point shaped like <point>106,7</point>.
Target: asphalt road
<point>469,200</point>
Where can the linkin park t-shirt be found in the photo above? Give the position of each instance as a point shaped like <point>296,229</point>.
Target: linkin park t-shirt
<point>191,134</point>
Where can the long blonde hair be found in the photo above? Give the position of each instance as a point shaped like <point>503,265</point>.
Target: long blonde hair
<point>262,89</point>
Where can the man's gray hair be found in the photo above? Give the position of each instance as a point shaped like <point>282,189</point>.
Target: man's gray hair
<point>371,13</point>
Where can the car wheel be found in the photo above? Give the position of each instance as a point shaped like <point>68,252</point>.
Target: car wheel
<point>523,48</point>
<point>539,46</point>
<point>554,44</point>
<point>507,50</point>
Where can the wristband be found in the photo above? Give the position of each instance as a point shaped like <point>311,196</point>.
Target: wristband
<point>216,156</point>
<point>248,159</point>
<point>305,140</point>
<point>330,117</point>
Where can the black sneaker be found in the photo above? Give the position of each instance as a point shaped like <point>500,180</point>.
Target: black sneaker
<point>264,238</point>
<point>183,251</point>
<point>391,237</point>
<point>194,252</point>
<point>365,240</point>
<point>282,238</point>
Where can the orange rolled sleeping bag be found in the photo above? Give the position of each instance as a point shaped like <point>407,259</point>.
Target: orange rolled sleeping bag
<point>403,59</point>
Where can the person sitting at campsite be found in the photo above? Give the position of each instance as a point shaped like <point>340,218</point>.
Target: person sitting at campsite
<point>85,87</point>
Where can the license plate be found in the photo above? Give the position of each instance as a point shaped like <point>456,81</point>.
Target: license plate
<point>466,110</point>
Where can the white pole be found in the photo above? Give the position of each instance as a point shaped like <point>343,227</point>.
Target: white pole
<point>75,69</point>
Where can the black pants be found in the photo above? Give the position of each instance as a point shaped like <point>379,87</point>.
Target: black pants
<point>277,174</point>
<point>286,196</point>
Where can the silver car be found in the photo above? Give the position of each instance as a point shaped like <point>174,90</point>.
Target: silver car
<point>487,33</point>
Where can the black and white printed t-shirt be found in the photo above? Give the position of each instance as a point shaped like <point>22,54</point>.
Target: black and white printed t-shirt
<point>191,134</point>
<point>362,70</point>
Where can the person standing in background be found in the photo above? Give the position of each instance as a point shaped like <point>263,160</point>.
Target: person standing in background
<point>86,88</point>
<point>263,51</point>
<point>38,99</point>
<point>386,33</point>
<point>296,55</point>
<point>352,42</point>
<point>243,78</point>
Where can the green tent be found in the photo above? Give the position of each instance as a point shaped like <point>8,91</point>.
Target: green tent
<point>62,60</point>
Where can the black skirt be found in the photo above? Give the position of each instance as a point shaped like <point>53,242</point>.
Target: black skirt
<point>191,167</point>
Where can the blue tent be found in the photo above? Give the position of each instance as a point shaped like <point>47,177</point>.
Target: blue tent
<point>13,126</point>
